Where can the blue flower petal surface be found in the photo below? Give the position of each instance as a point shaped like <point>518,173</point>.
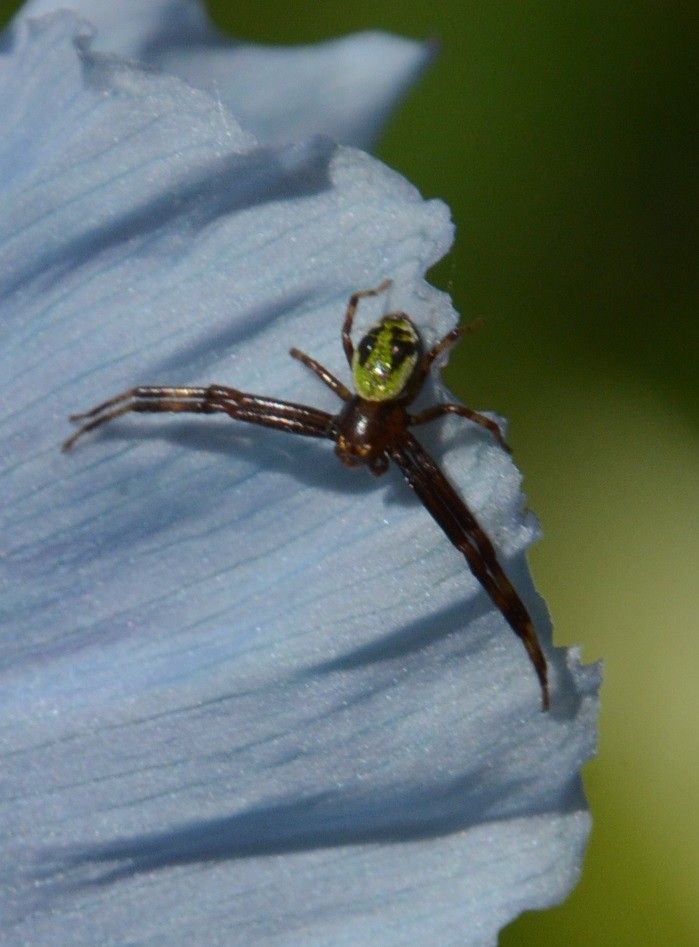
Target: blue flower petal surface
<point>344,88</point>
<point>248,696</point>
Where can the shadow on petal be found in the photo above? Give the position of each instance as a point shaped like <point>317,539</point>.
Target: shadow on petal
<point>321,821</point>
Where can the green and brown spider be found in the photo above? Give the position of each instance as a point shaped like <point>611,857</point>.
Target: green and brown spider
<point>389,367</point>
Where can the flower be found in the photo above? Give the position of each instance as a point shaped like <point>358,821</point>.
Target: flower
<point>248,695</point>
<point>344,88</point>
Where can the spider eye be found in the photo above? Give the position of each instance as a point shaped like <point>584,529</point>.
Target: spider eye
<point>400,350</point>
<point>365,347</point>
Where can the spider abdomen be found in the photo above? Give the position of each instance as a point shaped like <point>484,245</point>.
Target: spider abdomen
<point>386,358</point>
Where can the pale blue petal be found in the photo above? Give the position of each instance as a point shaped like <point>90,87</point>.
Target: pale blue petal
<point>248,696</point>
<point>344,88</point>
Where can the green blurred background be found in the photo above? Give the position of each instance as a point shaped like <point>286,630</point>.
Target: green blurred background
<point>562,137</point>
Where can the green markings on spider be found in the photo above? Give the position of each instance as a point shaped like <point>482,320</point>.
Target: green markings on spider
<point>386,357</point>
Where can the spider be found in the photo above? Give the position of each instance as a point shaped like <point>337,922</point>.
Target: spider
<point>389,366</point>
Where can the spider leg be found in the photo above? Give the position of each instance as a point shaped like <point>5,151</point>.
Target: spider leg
<point>325,376</point>
<point>350,311</point>
<point>463,530</point>
<point>270,412</point>
<point>149,392</point>
<point>143,398</point>
<point>254,409</point>
<point>439,410</point>
<point>445,342</point>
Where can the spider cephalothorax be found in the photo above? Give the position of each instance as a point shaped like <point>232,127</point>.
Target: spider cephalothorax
<point>389,368</point>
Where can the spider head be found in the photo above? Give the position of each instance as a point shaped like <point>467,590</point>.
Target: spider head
<point>386,358</point>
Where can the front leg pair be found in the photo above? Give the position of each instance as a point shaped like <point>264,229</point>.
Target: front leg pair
<point>240,405</point>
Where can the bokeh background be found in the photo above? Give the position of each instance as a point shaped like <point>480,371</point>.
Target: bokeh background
<point>562,135</point>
